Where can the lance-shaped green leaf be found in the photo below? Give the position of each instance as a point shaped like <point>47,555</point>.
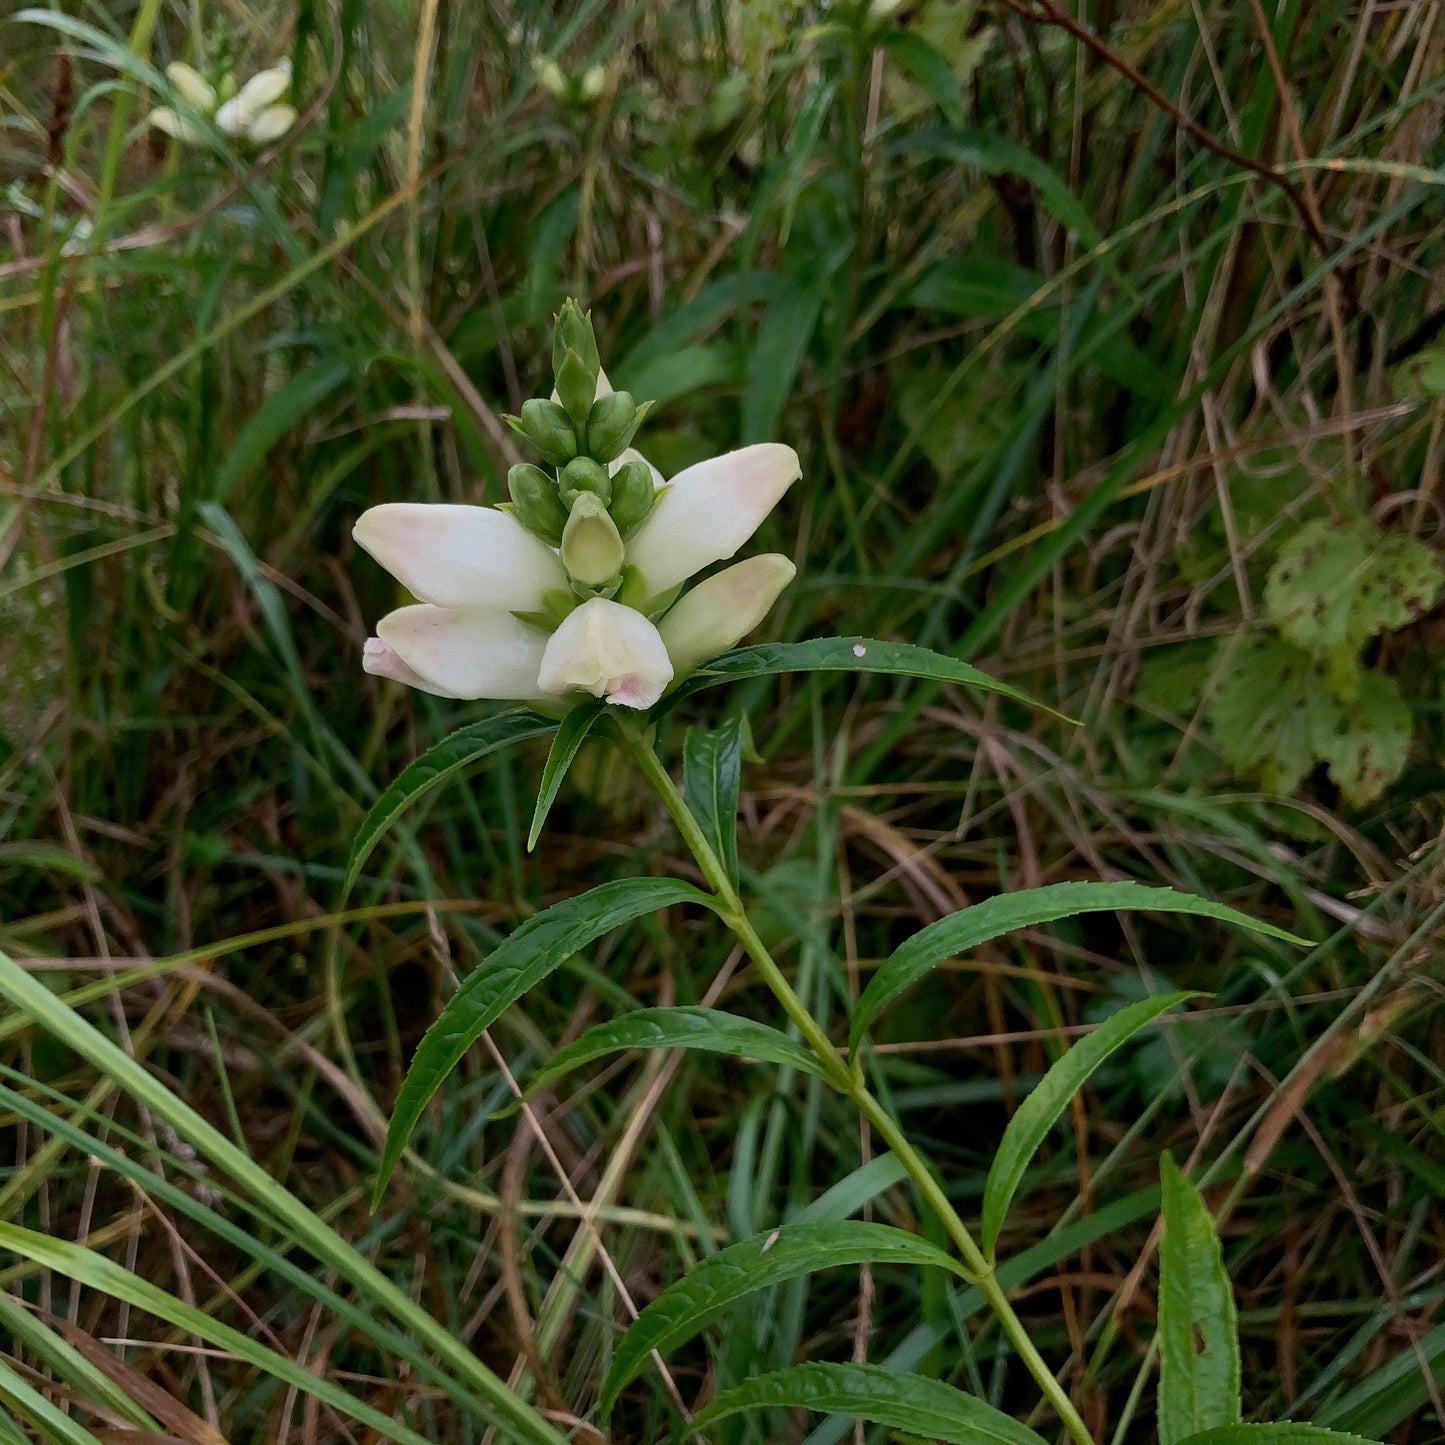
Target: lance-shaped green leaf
<point>1198,1333</point>
<point>1039,1112</point>
<point>993,917</point>
<point>571,734</point>
<point>462,748</point>
<point>1283,1432</point>
<point>844,654</point>
<point>716,1283</point>
<point>708,1029</point>
<point>911,1403</point>
<point>712,765</point>
<point>516,965</point>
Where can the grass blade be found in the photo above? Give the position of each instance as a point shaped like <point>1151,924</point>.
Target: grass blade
<point>288,1212</point>
<point>94,1270</point>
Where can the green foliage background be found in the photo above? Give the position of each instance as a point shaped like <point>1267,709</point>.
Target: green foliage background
<point>1080,400</point>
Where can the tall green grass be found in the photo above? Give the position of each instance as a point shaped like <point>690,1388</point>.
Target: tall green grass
<point>1065,383</point>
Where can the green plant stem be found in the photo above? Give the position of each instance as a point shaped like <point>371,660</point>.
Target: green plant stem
<point>849,1081</point>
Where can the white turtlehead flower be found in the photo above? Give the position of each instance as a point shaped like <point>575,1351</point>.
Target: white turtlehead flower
<point>708,511</point>
<point>608,650</point>
<point>255,113</point>
<point>499,616</point>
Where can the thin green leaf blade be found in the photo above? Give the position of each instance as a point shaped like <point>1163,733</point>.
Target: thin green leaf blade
<point>1198,1332</point>
<point>684,1027</point>
<point>710,1287</point>
<point>522,961</point>
<point>459,750</point>
<point>923,62</point>
<point>1039,1112</point>
<point>898,1401</point>
<point>712,764</point>
<point>844,654</point>
<point>571,734</point>
<point>1392,1393</point>
<point>993,917</point>
<point>278,414</point>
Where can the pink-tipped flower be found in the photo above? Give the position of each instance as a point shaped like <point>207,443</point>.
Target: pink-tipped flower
<point>608,650</point>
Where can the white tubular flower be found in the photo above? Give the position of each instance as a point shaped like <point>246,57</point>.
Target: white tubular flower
<point>253,112</point>
<point>718,613</point>
<point>463,652</point>
<point>608,650</point>
<point>708,512</point>
<point>271,124</point>
<point>191,86</point>
<point>380,659</point>
<point>459,556</point>
<point>172,123</point>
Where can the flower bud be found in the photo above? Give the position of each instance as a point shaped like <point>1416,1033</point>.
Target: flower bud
<point>576,386</point>
<point>582,474</point>
<point>611,423</point>
<point>574,329</point>
<point>592,550</point>
<point>633,493</point>
<point>550,430</point>
<point>536,503</point>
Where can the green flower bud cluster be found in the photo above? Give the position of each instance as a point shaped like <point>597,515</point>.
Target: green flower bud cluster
<point>587,506</point>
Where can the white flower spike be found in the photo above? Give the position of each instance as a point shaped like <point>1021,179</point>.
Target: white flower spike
<point>255,113</point>
<point>536,601</point>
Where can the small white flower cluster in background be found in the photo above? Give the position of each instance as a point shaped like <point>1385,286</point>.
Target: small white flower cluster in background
<point>575,586</point>
<point>256,112</point>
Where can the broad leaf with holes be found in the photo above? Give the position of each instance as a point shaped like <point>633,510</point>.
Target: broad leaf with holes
<point>1198,1332</point>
